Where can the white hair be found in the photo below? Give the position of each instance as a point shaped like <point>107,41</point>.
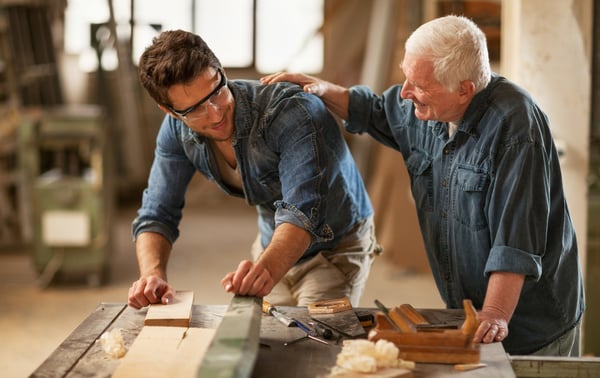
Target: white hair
<point>456,47</point>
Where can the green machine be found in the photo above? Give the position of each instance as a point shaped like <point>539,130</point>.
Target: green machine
<point>65,163</point>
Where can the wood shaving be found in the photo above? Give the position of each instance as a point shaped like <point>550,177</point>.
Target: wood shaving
<point>112,343</point>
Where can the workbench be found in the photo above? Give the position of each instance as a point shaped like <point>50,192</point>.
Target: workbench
<point>81,355</point>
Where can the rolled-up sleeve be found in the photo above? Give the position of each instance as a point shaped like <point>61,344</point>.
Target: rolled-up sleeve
<point>164,197</point>
<point>507,259</point>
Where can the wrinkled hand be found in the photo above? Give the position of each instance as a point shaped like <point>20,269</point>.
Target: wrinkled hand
<point>308,83</point>
<point>150,290</point>
<point>492,328</point>
<point>250,278</point>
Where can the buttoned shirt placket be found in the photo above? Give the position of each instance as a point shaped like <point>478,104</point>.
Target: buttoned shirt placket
<point>441,179</point>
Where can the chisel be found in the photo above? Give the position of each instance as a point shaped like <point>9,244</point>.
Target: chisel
<point>268,308</point>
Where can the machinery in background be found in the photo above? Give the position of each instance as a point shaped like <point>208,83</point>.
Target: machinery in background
<point>65,162</point>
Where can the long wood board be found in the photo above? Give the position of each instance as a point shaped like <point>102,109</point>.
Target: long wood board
<point>234,349</point>
<point>165,352</point>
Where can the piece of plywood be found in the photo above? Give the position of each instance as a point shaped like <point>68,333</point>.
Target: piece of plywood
<point>174,352</point>
<point>176,314</point>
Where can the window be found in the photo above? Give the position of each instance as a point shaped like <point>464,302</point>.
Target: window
<point>267,35</point>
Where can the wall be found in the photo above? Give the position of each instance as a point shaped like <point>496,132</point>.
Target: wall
<point>546,49</point>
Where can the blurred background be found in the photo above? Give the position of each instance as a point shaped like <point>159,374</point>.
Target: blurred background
<point>77,137</point>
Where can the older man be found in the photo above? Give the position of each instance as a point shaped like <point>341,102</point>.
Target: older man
<point>487,184</point>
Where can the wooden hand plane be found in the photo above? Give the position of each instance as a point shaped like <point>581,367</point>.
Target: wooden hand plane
<point>428,344</point>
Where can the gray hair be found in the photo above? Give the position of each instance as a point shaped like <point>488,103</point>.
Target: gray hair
<point>456,47</point>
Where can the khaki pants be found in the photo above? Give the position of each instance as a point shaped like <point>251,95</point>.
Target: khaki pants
<point>331,274</point>
<point>566,346</point>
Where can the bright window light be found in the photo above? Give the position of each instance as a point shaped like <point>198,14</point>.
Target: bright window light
<point>287,32</point>
<point>288,36</point>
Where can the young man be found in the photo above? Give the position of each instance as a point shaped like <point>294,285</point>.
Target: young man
<point>277,148</point>
<point>486,181</point>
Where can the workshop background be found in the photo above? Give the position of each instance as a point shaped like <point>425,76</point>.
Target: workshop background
<point>77,137</point>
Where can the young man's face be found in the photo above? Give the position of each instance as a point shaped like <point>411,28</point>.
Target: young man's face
<point>432,101</point>
<point>205,104</point>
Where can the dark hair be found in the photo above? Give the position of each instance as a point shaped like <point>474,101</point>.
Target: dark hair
<point>175,57</point>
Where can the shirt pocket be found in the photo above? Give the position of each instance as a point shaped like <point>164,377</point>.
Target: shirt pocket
<point>468,201</point>
<point>421,180</point>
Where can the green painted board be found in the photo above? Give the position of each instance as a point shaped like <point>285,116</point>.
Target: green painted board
<point>234,348</point>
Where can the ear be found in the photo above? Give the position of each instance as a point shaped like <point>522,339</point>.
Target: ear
<point>166,110</point>
<point>466,91</point>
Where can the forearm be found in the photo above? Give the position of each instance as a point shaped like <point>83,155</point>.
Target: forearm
<point>503,292</point>
<point>287,246</point>
<point>335,97</point>
<point>153,251</point>
<point>501,298</point>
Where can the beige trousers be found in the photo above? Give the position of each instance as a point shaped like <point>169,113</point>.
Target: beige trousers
<point>331,274</point>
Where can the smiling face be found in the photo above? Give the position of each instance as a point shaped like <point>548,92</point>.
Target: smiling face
<point>433,102</point>
<point>216,119</point>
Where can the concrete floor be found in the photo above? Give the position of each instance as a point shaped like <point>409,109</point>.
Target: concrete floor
<point>34,321</point>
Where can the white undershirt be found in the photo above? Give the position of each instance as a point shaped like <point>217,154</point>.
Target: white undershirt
<point>231,176</point>
<point>452,127</point>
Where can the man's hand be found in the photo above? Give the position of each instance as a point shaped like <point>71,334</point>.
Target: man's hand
<point>150,290</point>
<point>250,278</point>
<point>502,296</point>
<point>309,84</point>
<point>335,97</point>
<point>492,328</point>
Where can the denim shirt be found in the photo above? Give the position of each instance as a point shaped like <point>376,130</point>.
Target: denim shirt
<point>489,198</point>
<point>293,160</point>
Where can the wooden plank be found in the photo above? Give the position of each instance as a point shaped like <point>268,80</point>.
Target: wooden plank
<point>176,314</point>
<point>564,367</point>
<point>62,360</point>
<point>493,355</point>
<point>165,352</point>
<point>130,321</point>
<point>235,346</point>
<point>380,373</point>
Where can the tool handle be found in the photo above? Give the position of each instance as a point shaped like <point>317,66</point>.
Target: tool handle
<point>266,307</point>
<point>323,331</point>
<point>302,326</point>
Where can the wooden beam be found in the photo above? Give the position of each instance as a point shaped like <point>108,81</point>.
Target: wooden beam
<point>533,366</point>
<point>234,348</point>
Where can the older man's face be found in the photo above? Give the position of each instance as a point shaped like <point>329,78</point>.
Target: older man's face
<point>432,101</point>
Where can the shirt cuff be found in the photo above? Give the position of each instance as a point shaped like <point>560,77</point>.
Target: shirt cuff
<point>139,227</point>
<point>288,213</point>
<point>507,259</point>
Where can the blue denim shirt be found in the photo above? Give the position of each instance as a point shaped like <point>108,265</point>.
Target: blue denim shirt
<point>294,163</point>
<point>489,198</point>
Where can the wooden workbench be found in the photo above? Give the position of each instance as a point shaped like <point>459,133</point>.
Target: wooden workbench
<point>81,355</point>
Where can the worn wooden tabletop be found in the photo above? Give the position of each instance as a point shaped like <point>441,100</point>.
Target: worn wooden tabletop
<point>82,355</point>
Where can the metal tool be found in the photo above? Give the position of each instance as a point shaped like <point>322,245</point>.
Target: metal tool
<point>308,334</point>
<point>321,330</point>
<point>268,308</point>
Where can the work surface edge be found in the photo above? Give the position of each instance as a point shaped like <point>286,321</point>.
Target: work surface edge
<point>80,354</point>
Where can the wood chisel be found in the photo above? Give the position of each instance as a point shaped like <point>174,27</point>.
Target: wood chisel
<point>268,308</point>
